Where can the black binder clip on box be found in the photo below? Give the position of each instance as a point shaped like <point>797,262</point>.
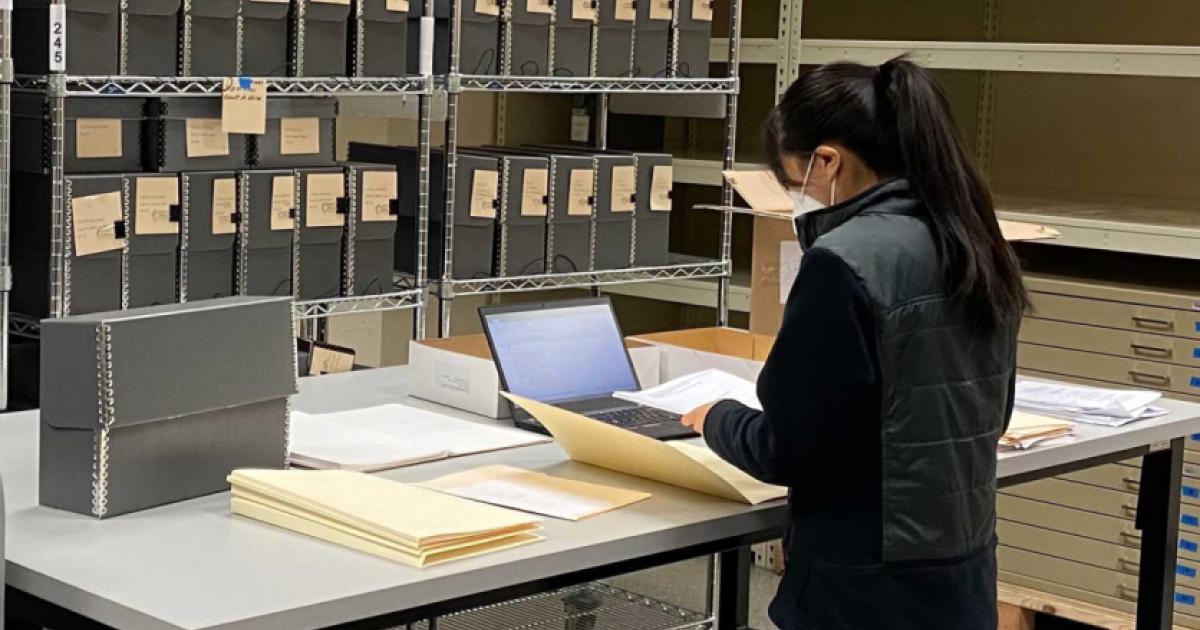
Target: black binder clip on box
<point>131,425</point>
<point>209,228</point>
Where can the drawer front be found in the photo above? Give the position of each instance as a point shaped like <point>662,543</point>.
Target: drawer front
<point>1081,288</point>
<point>1068,546</point>
<point>1112,603</point>
<point>1131,345</point>
<point>1135,317</point>
<point>1112,476</point>
<point>1129,372</point>
<point>1115,584</point>
<point>1078,495</point>
<point>1101,527</point>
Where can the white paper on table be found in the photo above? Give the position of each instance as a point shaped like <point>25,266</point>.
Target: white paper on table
<point>536,492</point>
<point>1116,403</point>
<point>315,442</point>
<point>434,430</point>
<point>687,392</point>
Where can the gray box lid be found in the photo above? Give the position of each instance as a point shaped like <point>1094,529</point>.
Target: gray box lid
<point>151,7</point>
<point>215,8</point>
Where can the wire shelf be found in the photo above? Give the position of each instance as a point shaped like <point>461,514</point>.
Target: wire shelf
<point>687,267</point>
<point>71,85</point>
<point>316,309</point>
<point>24,326</point>
<point>590,85</point>
<point>594,606</point>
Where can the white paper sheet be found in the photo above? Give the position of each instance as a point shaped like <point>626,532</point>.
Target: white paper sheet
<point>536,492</point>
<point>687,392</point>
<point>1093,405</point>
<point>316,442</point>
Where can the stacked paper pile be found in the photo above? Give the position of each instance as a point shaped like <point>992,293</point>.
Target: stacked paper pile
<point>408,524</point>
<point>1027,430</point>
<point>1092,405</point>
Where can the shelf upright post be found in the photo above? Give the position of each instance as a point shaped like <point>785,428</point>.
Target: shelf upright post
<point>731,113</point>
<point>424,158</point>
<point>6,79</point>
<point>446,287</point>
<point>56,88</point>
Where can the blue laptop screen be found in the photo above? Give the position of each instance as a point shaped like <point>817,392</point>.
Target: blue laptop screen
<point>559,354</point>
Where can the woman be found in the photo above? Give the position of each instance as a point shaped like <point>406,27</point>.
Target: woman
<point>892,376</point>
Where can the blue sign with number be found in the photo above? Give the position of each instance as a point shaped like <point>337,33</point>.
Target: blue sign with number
<point>1185,599</point>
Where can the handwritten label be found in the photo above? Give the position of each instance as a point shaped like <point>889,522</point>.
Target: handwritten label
<point>321,194</point>
<point>583,187</point>
<point>299,136</point>
<point>660,188</point>
<point>379,190</point>
<point>93,220</point>
<point>539,6</point>
<point>97,138</point>
<point>585,10</point>
<point>533,192</point>
<point>152,205</point>
<point>244,105</point>
<point>400,6</point>
<point>702,10</point>
<point>487,7</point>
<point>660,9</point>
<point>624,188</point>
<point>626,11</point>
<point>205,138</point>
<point>224,205</point>
<point>283,202</point>
<point>484,187</point>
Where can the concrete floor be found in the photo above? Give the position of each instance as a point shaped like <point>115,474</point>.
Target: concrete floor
<point>684,585</point>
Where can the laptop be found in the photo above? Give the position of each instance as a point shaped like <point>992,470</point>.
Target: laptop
<point>570,353</point>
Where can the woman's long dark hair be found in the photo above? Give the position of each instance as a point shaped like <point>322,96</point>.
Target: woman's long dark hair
<point>897,119</point>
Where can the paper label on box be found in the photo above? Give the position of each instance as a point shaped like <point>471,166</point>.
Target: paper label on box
<point>224,205</point>
<point>661,9</point>
<point>624,188</point>
<point>539,6</point>
<point>484,189</point>
<point>487,7</point>
<point>244,105</point>
<point>283,202</point>
<point>789,267</point>
<point>534,191</point>
<point>379,190</point>
<point>660,188</point>
<point>400,6</point>
<point>626,11</point>
<point>325,360</point>
<point>299,136</point>
<point>579,199</point>
<point>93,220</point>
<point>580,125</point>
<point>585,10</point>
<point>152,205</point>
<point>702,10</point>
<point>321,194</point>
<point>97,138</point>
<point>205,138</point>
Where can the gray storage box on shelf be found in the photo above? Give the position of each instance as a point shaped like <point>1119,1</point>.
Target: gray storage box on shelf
<point>150,39</point>
<point>209,44</point>
<point>652,38</point>
<point>374,203</point>
<point>614,39</point>
<point>93,32</point>
<point>184,134</point>
<point>152,256</point>
<point>208,233</point>
<point>91,279</point>
<point>380,45</point>
<point>266,232</point>
<point>571,39</point>
<point>320,230</point>
<point>526,38</point>
<point>300,132</point>
<point>129,426</point>
<point>263,31</point>
<point>693,37</point>
<point>320,32</point>
<point>479,45</point>
<point>100,135</point>
<point>652,219</point>
<point>522,215</point>
<point>572,201</point>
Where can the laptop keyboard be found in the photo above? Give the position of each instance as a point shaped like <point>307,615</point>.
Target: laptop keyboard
<point>635,417</point>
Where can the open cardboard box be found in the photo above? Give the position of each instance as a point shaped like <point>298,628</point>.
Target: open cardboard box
<point>683,352</point>
<point>776,254</point>
<point>459,372</point>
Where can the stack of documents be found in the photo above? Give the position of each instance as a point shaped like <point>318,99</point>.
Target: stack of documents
<point>1027,430</point>
<point>536,492</point>
<point>674,463</point>
<point>1091,405</point>
<point>687,392</point>
<point>412,525</point>
<point>389,436</point>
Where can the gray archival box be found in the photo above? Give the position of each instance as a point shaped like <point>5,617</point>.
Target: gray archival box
<point>166,136</point>
<point>571,50</point>
<point>526,41</point>
<point>94,26</point>
<point>319,38</point>
<point>152,259</point>
<point>380,39</point>
<point>31,133</point>
<point>270,150</point>
<point>150,41</point>
<point>369,253</point>
<point>614,43</point>
<point>209,44</point>
<point>264,245</point>
<point>264,39</point>
<point>206,251</point>
<point>127,424</point>
<point>319,246</point>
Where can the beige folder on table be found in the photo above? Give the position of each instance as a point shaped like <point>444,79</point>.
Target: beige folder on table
<point>673,463</point>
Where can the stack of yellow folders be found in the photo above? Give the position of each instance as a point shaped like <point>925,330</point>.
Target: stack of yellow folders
<point>1027,430</point>
<point>405,523</point>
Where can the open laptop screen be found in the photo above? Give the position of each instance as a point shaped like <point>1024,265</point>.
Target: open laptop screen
<point>568,352</point>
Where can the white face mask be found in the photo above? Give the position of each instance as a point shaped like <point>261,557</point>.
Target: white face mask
<point>803,204</point>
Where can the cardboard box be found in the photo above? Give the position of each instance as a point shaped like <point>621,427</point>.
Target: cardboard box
<point>150,39</point>
<point>93,37</point>
<point>186,392</point>
<point>209,233</point>
<point>210,39</point>
<point>684,352</point>
<point>264,36</point>
<point>459,372</point>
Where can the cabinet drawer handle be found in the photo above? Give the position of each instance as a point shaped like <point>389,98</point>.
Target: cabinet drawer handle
<point>1132,484</point>
<point>1153,322</point>
<point>1148,377</point>
<point>1127,592</point>
<point>1132,539</point>
<point>1151,351</point>
<point>1130,566</point>
<point>1130,511</point>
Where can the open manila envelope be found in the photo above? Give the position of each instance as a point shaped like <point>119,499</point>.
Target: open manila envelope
<point>673,463</point>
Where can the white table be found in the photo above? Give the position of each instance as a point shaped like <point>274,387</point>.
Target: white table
<point>192,565</point>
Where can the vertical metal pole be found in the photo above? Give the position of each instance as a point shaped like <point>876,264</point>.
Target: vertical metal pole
<point>445,287</point>
<point>424,155</point>
<point>731,113</point>
<point>6,77</point>
<point>58,201</point>
<point>733,589</point>
<point>1158,520</point>
<point>602,121</point>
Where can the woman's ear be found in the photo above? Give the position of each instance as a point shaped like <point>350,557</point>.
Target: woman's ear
<point>829,162</point>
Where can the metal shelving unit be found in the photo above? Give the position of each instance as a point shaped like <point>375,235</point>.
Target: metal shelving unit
<point>6,79</point>
<point>455,84</point>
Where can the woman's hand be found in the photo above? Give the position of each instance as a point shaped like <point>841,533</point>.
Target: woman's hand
<point>694,419</point>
